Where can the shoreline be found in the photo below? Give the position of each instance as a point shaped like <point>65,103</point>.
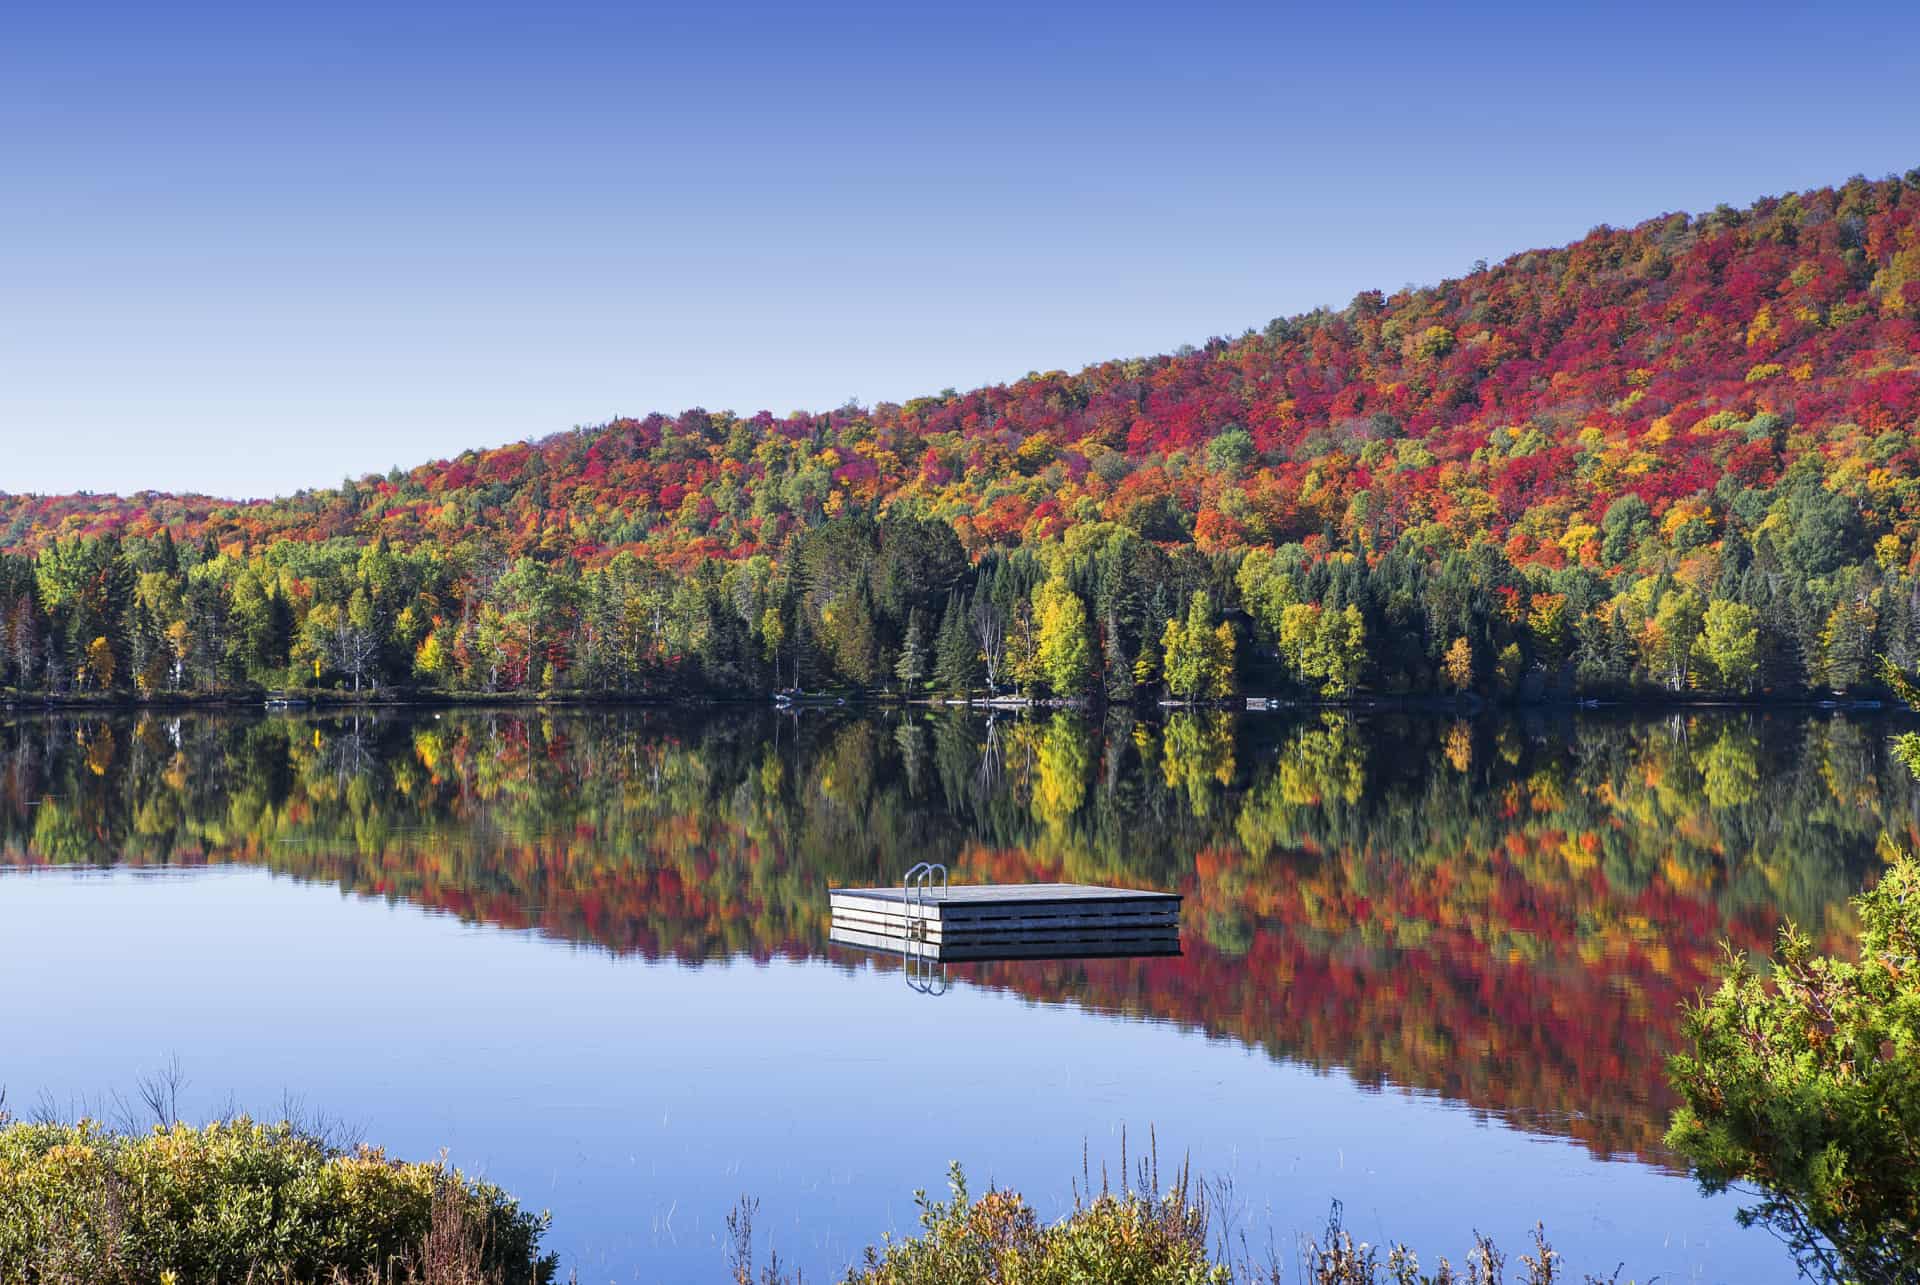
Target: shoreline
<point>1460,706</point>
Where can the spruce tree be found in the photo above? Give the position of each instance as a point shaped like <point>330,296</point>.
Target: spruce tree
<point>1621,653</point>
<point>1119,669</point>
<point>956,657</point>
<point>911,668</point>
<point>1846,645</point>
<point>1805,624</point>
<point>1591,669</point>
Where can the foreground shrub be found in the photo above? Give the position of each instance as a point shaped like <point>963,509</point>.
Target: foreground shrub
<point>242,1201</point>
<point>1804,1084</point>
<point>1129,1238</point>
<point>1125,1239</point>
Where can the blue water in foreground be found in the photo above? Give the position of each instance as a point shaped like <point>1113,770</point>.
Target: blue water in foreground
<point>638,1100</point>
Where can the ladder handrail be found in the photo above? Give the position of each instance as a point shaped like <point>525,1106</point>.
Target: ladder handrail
<point>920,961</point>
<point>909,890</point>
<point>916,887</point>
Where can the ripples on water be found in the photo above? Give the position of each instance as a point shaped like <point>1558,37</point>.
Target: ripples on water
<point>1485,928</point>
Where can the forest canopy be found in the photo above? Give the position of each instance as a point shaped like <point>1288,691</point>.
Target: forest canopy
<point>1672,458</point>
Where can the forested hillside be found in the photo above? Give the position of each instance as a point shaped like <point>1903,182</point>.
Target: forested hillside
<point>1671,458</point>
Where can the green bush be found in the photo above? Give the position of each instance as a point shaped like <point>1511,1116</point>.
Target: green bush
<point>1126,1239</point>
<point>1805,1085</point>
<point>243,1201</point>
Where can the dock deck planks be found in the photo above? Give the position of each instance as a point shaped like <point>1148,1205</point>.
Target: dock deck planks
<point>1009,921</point>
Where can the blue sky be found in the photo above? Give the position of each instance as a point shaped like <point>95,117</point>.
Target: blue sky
<point>246,249</point>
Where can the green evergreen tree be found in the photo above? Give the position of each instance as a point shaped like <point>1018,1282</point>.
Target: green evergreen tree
<point>911,668</point>
<point>956,657</point>
<point>1117,669</point>
<point>1846,645</point>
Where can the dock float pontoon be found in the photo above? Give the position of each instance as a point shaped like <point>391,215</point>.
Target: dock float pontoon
<point>1004,921</point>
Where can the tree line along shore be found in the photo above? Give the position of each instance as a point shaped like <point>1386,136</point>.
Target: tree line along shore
<point>892,607</point>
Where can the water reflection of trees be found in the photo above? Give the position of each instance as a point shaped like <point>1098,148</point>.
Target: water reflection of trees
<point>1505,912</point>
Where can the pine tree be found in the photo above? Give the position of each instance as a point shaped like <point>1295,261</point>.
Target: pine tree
<point>911,668</point>
<point>1804,623</point>
<point>25,642</point>
<point>850,633</point>
<point>148,649</point>
<point>956,657</point>
<point>1621,652</point>
<point>1119,670</point>
<point>1900,625</point>
<point>1845,645</point>
<point>278,638</point>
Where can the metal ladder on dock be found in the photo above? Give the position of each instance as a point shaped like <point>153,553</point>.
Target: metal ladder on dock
<point>916,890</point>
<point>918,960</point>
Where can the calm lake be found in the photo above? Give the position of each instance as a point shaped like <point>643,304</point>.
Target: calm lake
<point>1431,967</point>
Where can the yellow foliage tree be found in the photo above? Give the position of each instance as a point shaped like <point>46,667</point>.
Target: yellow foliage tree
<point>100,666</point>
<point>1062,651</point>
<point>431,661</point>
<point>1457,665</point>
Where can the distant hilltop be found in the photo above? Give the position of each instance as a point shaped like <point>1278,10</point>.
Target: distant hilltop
<point>1675,456</point>
<point>1515,403</point>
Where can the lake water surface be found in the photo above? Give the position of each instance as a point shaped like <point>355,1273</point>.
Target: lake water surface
<point>1431,967</point>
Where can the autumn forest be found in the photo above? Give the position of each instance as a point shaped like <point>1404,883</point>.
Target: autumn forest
<point>1673,459</point>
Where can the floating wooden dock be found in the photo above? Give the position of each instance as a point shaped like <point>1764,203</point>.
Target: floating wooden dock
<point>1007,921</point>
